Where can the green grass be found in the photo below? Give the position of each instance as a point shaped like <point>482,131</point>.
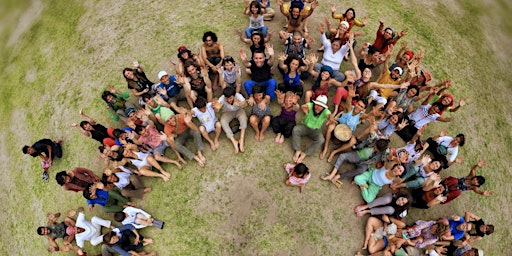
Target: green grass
<point>239,205</point>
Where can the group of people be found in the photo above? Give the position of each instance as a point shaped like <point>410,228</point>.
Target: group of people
<point>348,115</point>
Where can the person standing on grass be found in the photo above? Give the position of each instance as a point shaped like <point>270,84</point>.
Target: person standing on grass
<point>316,113</point>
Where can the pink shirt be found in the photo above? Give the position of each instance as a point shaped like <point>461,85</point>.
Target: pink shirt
<point>294,180</point>
<point>153,139</point>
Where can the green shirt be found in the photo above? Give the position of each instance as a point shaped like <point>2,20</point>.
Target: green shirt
<point>365,153</point>
<point>312,121</point>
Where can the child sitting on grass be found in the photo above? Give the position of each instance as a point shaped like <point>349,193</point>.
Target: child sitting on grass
<point>298,175</point>
<point>283,124</point>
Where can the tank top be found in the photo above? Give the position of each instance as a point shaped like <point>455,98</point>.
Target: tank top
<point>287,80</point>
<point>379,177</point>
<point>256,22</point>
<point>288,115</point>
<point>349,119</point>
<point>362,65</point>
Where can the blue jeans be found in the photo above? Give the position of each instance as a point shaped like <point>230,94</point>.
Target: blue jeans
<point>269,85</point>
<point>263,30</point>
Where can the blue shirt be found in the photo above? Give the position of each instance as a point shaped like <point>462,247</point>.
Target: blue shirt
<point>101,198</point>
<point>457,234</point>
<point>172,89</point>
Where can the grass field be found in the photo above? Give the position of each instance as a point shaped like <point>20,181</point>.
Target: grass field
<point>58,56</point>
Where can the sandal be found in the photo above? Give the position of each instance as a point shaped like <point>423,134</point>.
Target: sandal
<point>338,184</point>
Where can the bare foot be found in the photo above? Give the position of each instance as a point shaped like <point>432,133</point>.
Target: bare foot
<point>296,156</point>
<point>241,144</point>
<point>217,144</point>
<point>212,146</point>
<point>262,136</point>
<point>147,190</point>
<point>177,163</point>
<point>165,178</point>
<point>331,156</point>
<point>327,176</point>
<point>276,139</point>
<point>235,145</point>
<point>301,157</point>
<point>199,161</point>
<point>322,155</point>
<point>281,139</point>
<point>257,136</point>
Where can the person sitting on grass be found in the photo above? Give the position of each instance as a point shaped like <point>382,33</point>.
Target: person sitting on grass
<point>76,179</point>
<point>196,83</point>
<point>445,148</point>
<point>124,180</point>
<point>89,128</point>
<point>212,53</point>
<point>54,230</point>
<point>259,69</point>
<point>283,124</point>
<point>350,116</point>
<point>205,113</point>
<point>479,228</point>
<point>418,172</point>
<point>186,56</point>
<point>362,159</point>
<point>137,217</point>
<point>260,112</point>
<point>138,83</point>
<point>230,74</point>
<point>120,240</point>
<point>292,66</point>
<point>117,103</point>
<point>178,129</point>
<point>89,230</point>
<point>386,38</point>
<point>255,42</point>
<point>143,161</point>
<point>233,105</point>
<point>110,200</point>
<point>255,12</point>
<point>153,139</point>
<point>170,91</point>
<point>422,116</point>
<point>296,19</point>
<point>298,175</point>
<point>456,186</point>
<point>316,113</point>
<point>157,108</point>
<point>391,205</point>
<point>371,181</point>
<point>45,149</point>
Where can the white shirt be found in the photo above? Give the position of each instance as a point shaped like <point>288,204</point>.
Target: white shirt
<point>228,107</point>
<point>331,59</point>
<point>421,116</point>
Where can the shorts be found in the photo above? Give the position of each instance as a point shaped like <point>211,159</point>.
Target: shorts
<point>161,148</point>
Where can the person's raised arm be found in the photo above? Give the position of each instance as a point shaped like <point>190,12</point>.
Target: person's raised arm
<point>353,58</point>
<point>246,8</point>
<point>270,51</point>
<point>243,56</point>
<point>281,59</point>
<point>314,4</point>
<point>242,37</point>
